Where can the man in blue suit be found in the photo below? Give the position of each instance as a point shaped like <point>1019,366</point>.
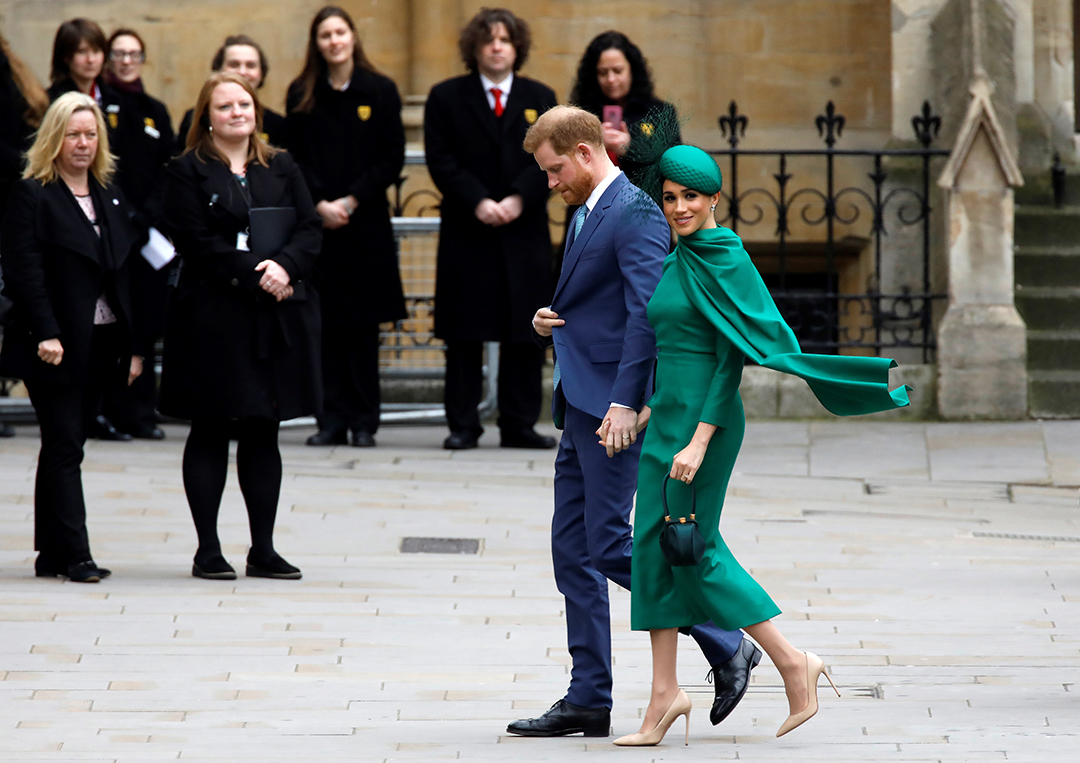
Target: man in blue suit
<point>605,350</point>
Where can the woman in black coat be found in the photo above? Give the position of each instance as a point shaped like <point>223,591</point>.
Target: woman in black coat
<point>78,61</point>
<point>143,144</point>
<point>346,133</point>
<point>242,336</point>
<point>67,242</point>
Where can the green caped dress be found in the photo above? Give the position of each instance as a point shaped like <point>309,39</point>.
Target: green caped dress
<point>711,310</point>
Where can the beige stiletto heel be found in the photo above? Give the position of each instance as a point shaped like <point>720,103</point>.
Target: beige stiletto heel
<point>681,705</point>
<point>815,668</point>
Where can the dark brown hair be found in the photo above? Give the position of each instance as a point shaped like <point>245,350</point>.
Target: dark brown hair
<point>240,39</point>
<point>478,32</point>
<point>37,100</point>
<point>198,137</point>
<point>124,32</point>
<point>68,38</point>
<point>315,65</point>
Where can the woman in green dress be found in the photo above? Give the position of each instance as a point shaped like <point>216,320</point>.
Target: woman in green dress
<point>711,311</point>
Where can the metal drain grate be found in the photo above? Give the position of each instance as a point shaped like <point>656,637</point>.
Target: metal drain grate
<point>1014,536</point>
<point>440,546</point>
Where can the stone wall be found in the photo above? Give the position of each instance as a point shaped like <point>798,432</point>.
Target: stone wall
<point>782,60</point>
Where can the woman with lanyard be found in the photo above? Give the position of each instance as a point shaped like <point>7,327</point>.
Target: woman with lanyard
<point>143,146</point>
<point>242,335</point>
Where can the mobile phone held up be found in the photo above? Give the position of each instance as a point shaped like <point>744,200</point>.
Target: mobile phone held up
<point>613,115</point>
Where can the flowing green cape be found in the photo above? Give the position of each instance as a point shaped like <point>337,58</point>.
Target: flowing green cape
<point>722,283</point>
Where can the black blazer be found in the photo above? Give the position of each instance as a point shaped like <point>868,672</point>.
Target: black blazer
<point>231,350</point>
<point>143,143</point>
<point>53,272</point>
<point>472,154</point>
<point>353,142</point>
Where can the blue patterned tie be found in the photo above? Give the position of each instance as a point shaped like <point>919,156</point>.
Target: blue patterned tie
<point>579,220</point>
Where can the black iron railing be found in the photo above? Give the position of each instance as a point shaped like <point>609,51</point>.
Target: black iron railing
<point>891,312</point>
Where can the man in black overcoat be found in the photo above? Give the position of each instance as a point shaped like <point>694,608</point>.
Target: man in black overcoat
<point>494,259</point>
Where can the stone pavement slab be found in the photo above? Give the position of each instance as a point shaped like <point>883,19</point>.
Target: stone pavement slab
<point>935,567</point>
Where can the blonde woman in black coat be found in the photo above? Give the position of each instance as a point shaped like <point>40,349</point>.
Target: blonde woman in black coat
<point>346,133</point>
<point>67,241</point>
<point>242,335</point>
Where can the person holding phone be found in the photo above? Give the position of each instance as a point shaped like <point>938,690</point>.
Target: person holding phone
<point>614,83</point>
<point>242,333</point>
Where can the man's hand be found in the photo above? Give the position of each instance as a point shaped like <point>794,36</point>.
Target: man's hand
<point>544,319</point>
<point>334,214</point>
<point>512,207</point>
<point>51,351</point>
<point>618,431</point>
<point>489,212</point>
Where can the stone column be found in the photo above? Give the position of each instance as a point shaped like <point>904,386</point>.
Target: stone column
<point>982,350</point>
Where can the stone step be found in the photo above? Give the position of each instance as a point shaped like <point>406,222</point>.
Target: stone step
<point>1046,226</point>
<point>1053,350</point>
<point>1039,189</point>
<point>1044,307</point>
<point>1047,265</point>
<point>1054,394</point>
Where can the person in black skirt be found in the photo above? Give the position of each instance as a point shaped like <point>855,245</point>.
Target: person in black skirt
<point>242,55</point>
<point>143,145</point>
<point>22,105</point>
<point>346,133</point>
<point>78,61</point>
<point>242,334</point>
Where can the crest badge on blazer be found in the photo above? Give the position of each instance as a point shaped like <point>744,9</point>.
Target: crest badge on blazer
<point>647,129</point>
<point>114,120</point>
<point>531,115</point>
<point>364,112</point>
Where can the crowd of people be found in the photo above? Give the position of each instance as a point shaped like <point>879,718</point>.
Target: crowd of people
<point>287,265</point>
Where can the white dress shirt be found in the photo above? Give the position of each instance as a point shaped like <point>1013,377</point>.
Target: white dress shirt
<point>504,88</point>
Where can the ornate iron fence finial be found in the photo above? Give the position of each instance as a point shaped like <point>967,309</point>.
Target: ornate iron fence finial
<point>734,123</point>
<point>926,126</point>
<point>828,122</point>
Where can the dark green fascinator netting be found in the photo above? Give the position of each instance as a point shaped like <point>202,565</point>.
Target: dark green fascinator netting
<point>658,154</point>
<point>691,167</point>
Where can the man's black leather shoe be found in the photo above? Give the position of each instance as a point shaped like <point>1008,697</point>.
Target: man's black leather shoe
<point>104,430</point>
<point>362,439</point>
<point>461,441</point>
<point>565,718</point>
<point>732,679</point>
<point>525,438</point>
<point>86,572</point>
<point>6,430</point>
<point>329,437</point>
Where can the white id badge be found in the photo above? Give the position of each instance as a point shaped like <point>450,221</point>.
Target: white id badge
<point>152,132</point>
<point>242,241</point>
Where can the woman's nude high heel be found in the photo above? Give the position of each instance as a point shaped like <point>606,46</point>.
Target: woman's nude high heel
<point>679,706</point>
<point>815,668</point>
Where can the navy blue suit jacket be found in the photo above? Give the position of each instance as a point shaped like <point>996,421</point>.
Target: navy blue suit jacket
<point>607,348</point>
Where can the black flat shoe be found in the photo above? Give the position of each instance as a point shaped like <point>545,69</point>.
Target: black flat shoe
<point>103,429</point>
<point>328,437</point>
<point>565,718</point>
<point>362,439</point>
<point>461,441</point>
<point>525,438</point>
<point>86,572</point>
<point>275,567</point>
<point>213,569</point>
<point>732,679</point>
<point>6,430</point>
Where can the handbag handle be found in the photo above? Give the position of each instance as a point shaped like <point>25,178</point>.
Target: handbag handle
<point>663,500</point>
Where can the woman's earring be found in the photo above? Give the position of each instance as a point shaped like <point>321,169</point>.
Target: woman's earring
<point>712,208</point>
<point>212,129</point>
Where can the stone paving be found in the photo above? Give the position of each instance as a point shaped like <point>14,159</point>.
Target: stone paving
<point>935,567</point>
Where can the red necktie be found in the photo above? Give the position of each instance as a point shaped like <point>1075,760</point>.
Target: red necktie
<point>498,101</point>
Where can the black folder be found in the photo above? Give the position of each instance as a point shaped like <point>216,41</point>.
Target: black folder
<point>270,230</point>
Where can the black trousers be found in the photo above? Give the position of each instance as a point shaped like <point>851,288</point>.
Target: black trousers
<point>519,388</point>
<point>64,412</point>
<point>133,407</point>
<point>350,367</point>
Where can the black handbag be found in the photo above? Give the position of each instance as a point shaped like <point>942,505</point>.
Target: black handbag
<point>680,538</point>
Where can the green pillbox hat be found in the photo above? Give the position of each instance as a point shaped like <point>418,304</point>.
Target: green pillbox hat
<point>691,167</point>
